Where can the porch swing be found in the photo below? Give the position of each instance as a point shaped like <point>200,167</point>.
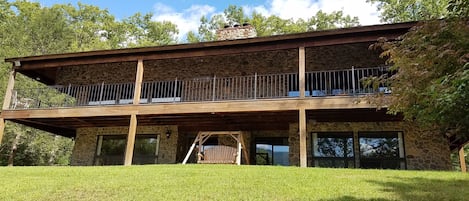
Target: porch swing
<point>218,154</point>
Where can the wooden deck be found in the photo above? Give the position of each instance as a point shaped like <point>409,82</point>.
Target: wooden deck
<point>335,102</point>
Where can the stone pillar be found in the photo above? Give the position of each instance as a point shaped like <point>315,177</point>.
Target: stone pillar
<point>294,144</point>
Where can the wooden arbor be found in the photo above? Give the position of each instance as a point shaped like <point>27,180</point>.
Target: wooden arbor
<point>203,136</point>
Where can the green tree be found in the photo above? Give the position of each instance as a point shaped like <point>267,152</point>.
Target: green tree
<point>92,27</point>
<point>27,28</point>
<point>393,11</point>
<point>431,80</point>
<point>143,31</point>
<point>269,25</point>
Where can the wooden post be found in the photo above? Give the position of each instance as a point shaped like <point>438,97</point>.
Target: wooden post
<point>238,157</point>
<point>245,152</point>
<point>9,90</point>
<point>138,82</point>
<point>462,160</point>
<point>301,71</point>
<point>2,129</point>
<point>129,151</point>
<point>302,130</point>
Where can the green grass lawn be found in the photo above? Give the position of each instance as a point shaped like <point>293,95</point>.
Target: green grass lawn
<point>227,182</point>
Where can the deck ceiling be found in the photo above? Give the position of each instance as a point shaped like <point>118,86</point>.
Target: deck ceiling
<point>211,121</point>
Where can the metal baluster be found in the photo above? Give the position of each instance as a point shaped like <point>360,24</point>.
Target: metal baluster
<point>175,89</point>
<point>353,80</point>
<point>213,87</point>
<point>255,86</point>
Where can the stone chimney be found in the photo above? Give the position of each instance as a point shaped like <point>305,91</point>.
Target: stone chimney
<point>236,32</point>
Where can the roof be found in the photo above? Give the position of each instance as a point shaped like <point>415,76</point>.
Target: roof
<point>288,41</point>
<point>43,67</point>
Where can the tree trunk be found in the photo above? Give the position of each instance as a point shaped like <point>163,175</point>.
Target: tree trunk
<point>14,147</point>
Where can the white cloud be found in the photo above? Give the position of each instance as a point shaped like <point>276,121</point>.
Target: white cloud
<point>366,12</point>
<point>189,19</point>
<point>186,20</point>
<point>295,9</point>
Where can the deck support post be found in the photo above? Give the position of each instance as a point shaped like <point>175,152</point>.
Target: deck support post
<point>301,71</point>
<point>129,151</point>
<point>2,129</point>
<point>302,132</point>
<point>9,90</point>
<point>462,159</point>
<point>138,82</point>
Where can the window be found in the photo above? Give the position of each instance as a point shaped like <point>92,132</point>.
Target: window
<point>146,149</point>
<point>272,151</point>
<point>333,149</point>
<point>110,149</point>
<point>381,150</point>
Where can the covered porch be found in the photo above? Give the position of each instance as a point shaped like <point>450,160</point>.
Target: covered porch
<point>172,134</point>
<point>346,82</point>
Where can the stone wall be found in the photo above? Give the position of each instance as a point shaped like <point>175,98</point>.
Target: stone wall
<point>236,32</point>
<point>272,62</point>
<point>85,143</point>
<point>97,73</point>
<point>338,57</point>
<point>424,150</point>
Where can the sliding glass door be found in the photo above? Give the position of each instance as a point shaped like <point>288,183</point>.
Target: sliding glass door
<point>272,151</point>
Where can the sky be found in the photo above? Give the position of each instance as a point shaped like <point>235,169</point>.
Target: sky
<point>186,13</point>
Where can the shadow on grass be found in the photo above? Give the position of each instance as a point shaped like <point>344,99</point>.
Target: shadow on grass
<point>351,198</point>
<point>420,188</point>
<point>417,188</point>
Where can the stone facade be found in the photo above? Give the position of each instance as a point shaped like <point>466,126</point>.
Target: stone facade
<point>338,57</point>
<point>424,150</point>
<point>85,143</point>
<point>262,63</point>
<point>97,73</point>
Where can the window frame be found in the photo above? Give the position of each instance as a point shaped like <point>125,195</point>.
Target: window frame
<point>98,148</point>
<point>334,134</point>
<point>272,142</point>
<point>401,158</point>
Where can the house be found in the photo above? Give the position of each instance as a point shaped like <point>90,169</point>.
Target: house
<point>297,99</point>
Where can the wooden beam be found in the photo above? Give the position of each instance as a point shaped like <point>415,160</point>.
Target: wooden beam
<point>129,151</point>
<point>462,160</point>
<point>138,82</point>
<point>2,129</point>
<point>302,130</point>
<point>9,90</point>
<point>290,104</point>
<point>66,132</point>
<point>301,71</point>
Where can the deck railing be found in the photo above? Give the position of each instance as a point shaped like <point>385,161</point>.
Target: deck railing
<point>344,82</point>
<point>318,84</point>
<point>72,96</point>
